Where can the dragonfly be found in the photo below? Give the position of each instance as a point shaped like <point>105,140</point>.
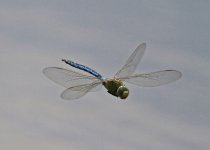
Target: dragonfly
<point>79,84</point>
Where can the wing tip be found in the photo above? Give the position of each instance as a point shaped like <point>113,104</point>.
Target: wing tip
<point>45,70</point>
<point>64,95</point>
<point>178,73</point>
<point>143,44</point>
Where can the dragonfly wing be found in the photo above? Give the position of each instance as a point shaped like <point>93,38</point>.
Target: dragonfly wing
<point>78,91</point>
<point>154,78</point>
<point>68,78</point>
<point>132,62</point>
<point>96,88</point>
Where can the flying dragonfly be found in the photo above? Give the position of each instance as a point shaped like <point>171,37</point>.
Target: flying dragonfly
<point>78,84</point>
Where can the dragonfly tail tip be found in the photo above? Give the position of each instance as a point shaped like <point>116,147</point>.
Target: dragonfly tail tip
<point>63,60</point>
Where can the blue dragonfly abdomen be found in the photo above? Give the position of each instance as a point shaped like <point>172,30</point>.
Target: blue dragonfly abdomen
<point>84,68</point>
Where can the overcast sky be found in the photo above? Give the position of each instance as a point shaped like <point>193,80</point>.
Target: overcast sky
<point>101,35</point>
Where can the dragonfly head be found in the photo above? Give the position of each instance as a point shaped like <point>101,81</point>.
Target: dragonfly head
<point>123,92</point>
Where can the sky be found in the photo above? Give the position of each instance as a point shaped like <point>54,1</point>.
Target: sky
<point>102,35</point>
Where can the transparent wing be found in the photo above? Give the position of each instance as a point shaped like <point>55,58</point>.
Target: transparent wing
<point>154,78</point>
<point>132,62</point>
<point>79,91</point>
<point>68,78</point>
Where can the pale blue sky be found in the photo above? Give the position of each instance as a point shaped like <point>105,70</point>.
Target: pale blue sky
<point>101,35</point>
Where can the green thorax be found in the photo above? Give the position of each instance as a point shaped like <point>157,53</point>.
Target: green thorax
<point>112,85</point>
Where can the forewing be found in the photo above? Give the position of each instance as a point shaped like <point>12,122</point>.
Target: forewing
<point>132,62</point>
<point>78,91</point>
<point>68,78</point>
<point>154,78</point>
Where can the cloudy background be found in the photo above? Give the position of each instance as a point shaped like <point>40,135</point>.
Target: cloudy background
<point>102,34</point>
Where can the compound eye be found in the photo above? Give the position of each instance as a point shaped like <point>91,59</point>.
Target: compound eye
<point>123,92</point>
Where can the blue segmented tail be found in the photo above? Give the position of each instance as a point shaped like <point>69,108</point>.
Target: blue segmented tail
<point>82,67</point>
